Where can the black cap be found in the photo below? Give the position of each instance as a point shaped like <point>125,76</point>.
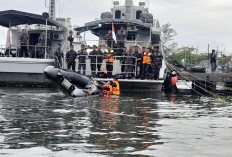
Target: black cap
<point>157,47</point>
<point>213,50</point>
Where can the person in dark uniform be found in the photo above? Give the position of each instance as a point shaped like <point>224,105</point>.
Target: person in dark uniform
<point>23,43</point>
<point>70,58</point>
<point>100,55</point>
<point>109,59</point>
<point>129,63</point>
<point>70,38</point>
<point>82,59</point>
<point>213,61</point>
<point>41,41</point>
<point>93,60</point>
<point>109,39</point>
<point>121,37</point>
<point>156,63</point>
<point>59,55</point>
<point>139,57</point>
<point>150,46</point>
<point>123,59</point>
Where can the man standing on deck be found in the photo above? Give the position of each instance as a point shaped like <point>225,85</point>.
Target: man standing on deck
<point>156,63</point>
<point>121,37</point>
<point>109,59</point>
<point>123,59</point>
<point>129,63</point>
<point>109,39</point>
<point>93,60</point>
<point>100,55</point>
<point>213,61</point>
<point>59,56</point>
<point>82,59</point>
<point>150,46</point>
<point>71,58</point>
<point>23,43</point>
<point>139,57</point>
<point>70,38</point>
<point>41,41</point>
<point>146,65</point>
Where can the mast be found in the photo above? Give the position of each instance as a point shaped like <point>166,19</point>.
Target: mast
<point>52,9</point>
<point>129,5</point>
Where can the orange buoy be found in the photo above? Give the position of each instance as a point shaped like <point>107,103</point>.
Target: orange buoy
<point>174,80</point>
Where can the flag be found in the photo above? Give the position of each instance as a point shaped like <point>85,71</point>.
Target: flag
<point>114,33</point>
<point>10,36</point>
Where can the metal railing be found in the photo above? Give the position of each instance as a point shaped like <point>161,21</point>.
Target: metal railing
<point>33,51</point>
<point>129,68</point>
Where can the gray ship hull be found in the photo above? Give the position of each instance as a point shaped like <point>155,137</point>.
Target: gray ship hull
<point>138,85</point>
<point>23,71</point>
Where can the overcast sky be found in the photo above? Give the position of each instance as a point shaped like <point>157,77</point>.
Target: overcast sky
<point>197,22</point>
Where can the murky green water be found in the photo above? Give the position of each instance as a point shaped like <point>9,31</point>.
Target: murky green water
<point>42,122</point>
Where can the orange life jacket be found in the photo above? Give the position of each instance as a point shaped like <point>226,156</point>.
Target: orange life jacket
<point>147,58</point>
<point>110,58</point>
<point>116,90</point>
<point>107,93</point>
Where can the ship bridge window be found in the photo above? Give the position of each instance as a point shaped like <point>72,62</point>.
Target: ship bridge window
<point>118,14</point>
<point>138,13</point>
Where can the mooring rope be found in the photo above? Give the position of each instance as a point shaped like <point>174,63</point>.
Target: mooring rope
<point>205,90</point>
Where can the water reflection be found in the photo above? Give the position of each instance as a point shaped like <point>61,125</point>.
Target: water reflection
<point>136,124</point>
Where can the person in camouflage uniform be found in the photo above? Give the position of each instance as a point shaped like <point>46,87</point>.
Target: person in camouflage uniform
<point>129,63</point>
<point>139,57</point>
<point>156,63</point>
<point>109,39</point>
<point>123,59</point>
<point>59,55</point>
<point>100,57</point>
<point>82,59</point>
<point>41,41</point>
<point>121,37</point>
<point>93,60</point>
<point>70,58</point>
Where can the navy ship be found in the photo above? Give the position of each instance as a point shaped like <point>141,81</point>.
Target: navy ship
<point>141,27</point>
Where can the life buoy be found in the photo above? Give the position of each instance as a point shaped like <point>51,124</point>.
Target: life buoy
<point>116,90</point>
<point>174,80</point>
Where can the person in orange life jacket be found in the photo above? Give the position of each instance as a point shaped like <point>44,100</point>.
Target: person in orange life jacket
<point>107,89</point>
<point>146,64</point>
<point>116,87</point>
<point>109,59</point>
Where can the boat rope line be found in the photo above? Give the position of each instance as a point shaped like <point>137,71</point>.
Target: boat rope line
<point>65,104</point>
<point>184,77</point>
<point>228,88</point>
<point>205,90</point>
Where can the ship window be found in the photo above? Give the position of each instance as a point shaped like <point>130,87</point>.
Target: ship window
<point>138,13</point>
<point>118,14</point>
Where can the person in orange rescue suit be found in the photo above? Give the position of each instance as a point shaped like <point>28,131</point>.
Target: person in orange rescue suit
<point>107,89</point>
<point>109,59</point>
<point>116,87</point>
<point>146,64</point>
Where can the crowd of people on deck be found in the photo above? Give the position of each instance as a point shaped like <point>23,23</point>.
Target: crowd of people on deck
<point>135,62</point>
